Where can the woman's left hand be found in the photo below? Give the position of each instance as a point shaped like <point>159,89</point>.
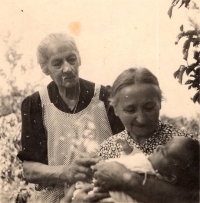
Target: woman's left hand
<point>111,176</point>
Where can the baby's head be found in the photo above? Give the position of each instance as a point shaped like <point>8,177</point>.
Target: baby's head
<point>177,161</point>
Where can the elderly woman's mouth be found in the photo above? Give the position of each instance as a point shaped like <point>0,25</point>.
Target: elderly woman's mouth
<point>67,77</point>
<point>140,125</point>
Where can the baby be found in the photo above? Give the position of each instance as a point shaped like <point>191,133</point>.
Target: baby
<point>177,162</point>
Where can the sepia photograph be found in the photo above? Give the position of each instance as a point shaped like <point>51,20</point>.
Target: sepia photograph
<point>99,101</point>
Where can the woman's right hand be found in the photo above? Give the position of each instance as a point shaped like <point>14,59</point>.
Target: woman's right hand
<point>111,176</point>
<point>79,169</point>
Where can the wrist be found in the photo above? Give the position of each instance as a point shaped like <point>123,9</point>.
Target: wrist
<point>132,180</point>
<point>63,175</point>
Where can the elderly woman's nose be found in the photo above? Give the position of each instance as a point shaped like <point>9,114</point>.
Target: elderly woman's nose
<point>141,118</point>
<point>66,67</point>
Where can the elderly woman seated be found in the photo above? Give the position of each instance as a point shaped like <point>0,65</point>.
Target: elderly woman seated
<point>136,98</point>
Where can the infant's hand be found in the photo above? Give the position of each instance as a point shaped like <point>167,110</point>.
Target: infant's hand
<point>84,195</point>
<point>125,147</point>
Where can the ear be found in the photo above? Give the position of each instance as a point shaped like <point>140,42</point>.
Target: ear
<point>79,60</point>
<point>170,179</point>
<point>45,69</point>
<point>115,110</point>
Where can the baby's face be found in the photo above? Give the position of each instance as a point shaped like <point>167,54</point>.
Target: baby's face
<point>164,157</point>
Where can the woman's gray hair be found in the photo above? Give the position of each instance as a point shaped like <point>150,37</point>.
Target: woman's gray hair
<point>133,76</point>
<point>45,46</point>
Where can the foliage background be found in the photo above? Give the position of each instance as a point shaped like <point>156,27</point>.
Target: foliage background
<point>149,41</point>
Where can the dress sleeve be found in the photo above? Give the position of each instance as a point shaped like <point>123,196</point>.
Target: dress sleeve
<point>115,122</point>
<point>109,148</point>
<point>33,136</point>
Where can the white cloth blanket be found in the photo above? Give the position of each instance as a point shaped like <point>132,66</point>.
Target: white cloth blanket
<point>138,163</point>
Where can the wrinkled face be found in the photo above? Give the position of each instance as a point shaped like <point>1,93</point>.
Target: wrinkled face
<point>164,158</point>
<point>138,108</point>
<point>63,65</point>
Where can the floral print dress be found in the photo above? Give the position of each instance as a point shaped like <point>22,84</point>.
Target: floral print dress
<point>163,133</point>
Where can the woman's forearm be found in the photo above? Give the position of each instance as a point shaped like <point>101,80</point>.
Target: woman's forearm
<point>39,173</point>
<point>155,190</point>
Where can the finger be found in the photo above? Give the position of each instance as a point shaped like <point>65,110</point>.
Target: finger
<point>87,161</point>
<point>84,155</point>
<point>99,190</point>
<point>80,177</point>
<point>88,187</point>
<point>93,155</point>
<point>97,196</point>
<point>88,155</point>
<point>95,175</point>
<point>69,194</point>
<point>100,185</point>
<point>96,183</point>
<point>83,169</point>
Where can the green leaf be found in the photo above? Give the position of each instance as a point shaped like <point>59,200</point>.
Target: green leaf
<point>185,54</point>
<point>176,74</point>
<point>174,2</point>
<point>196,97</point>
<point>197,70</point>
<point>181,71</point>
<point>196,42</point>
<point>181,28</point>
<point>181,3</point>
<point>187,2</point>
<point>179,36</point>
<point>189,82</point>
<point>191,32</point>
<point>190,68</point>
<point>196,55</point>
<point>186,45</point>
<point>170,11</point>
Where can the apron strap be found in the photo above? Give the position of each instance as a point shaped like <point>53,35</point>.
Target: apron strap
<point>44,96</point>
<point>97,91</point>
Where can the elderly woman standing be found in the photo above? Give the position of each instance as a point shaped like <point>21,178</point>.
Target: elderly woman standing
<point>136,98</point>
<point>62,121</point>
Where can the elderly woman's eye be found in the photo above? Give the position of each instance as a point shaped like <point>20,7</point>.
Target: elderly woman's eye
<point>130,110</point>
<point>57,63</point>
<point>72,59</point>
<point>149,108</point>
